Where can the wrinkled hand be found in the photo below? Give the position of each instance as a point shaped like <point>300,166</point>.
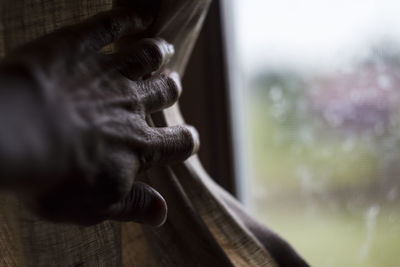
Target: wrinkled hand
<point>98,139</point>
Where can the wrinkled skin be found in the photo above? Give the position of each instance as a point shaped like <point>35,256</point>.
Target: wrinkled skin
<point>74,134</point>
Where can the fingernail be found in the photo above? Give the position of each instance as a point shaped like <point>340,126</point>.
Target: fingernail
<point>159,208</point>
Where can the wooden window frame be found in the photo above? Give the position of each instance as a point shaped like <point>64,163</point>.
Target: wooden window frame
<point>210,99</point>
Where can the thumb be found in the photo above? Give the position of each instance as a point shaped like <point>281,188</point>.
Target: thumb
<point>143,204</point>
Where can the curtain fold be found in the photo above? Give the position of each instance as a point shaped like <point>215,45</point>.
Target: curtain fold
<point>205,225</point>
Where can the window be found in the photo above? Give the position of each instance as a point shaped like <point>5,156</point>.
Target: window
<point>321,95</point>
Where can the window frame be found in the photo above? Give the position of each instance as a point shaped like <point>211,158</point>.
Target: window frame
<point>210,99</point>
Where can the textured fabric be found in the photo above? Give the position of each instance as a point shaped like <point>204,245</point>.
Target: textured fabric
<point>203,227</point>
<point>25,240</point>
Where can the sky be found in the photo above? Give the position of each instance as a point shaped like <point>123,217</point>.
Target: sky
<point>311,33</point>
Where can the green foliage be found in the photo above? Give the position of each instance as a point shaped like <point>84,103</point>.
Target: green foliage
<point>293,151</point>
<point>289,143</point>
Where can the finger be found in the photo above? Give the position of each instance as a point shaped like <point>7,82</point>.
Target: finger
<point>115,176</point>
<point>142,204</point>
<point>170,145</point>
<point>145,57</point>
<point>160,91</point>
<point>104,28</point>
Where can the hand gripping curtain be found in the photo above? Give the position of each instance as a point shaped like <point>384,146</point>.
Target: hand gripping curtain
<point>205,226</point>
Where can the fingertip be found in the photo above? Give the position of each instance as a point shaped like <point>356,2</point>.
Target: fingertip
<point>173,144</point>
<point>195,139</point>
<point>175,83</point>
<point>160,49</point>
<point>141,59</point>
<point>142,205</point>
<point>154,213</point>
<point>167,49</point>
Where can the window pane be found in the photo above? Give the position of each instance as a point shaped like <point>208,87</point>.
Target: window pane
<point>322,98</point>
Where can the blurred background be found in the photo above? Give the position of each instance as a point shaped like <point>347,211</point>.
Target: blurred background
<point>322,125</point>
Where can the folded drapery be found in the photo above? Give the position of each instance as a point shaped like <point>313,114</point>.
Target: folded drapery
<point>205,226</point>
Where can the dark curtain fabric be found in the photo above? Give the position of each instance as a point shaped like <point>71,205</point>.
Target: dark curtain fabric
<point>205,226</point>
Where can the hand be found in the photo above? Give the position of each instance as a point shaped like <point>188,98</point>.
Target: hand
<point>91,138</point>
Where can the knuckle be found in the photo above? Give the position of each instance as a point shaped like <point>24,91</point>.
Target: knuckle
<point>149,149</point>
<point>146,158</point>
<point>107,28</point>
<point>115,178</point>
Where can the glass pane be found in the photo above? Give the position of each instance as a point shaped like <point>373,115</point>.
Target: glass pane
<point>322,98</point>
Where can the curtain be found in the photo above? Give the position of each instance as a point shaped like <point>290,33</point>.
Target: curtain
<point>205,225</point>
